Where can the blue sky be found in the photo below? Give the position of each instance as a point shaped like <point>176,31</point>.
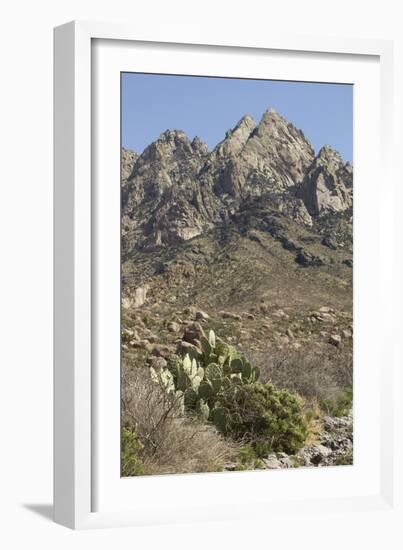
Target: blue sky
<point>208,107</point>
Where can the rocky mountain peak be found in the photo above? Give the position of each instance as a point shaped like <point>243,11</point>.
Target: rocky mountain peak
<point>277,152</point>
<point>173,136</point>
<point>329,156</point>
<point>236,138</point>
<point>169,143</point>
<point>271,116</point>
<point>275,131</point>
<point>176,189</point>
<point>244,127</point>
<point>199,146</point>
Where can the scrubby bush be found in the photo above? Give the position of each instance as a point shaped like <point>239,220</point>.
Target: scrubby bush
<point>262,413</point>
<point>338,404</point>
<point>171,442</point>
<point>249,459</point>
<point>131,448</point>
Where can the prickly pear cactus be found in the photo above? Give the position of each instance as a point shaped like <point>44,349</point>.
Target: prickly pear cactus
<point>190,397</point>
<point>211,339</point>
<point>220,418</point>
<point>203,409</point>
<point>206,390</point>
<point>168,380</point>
<point>206,347</point>
<point>236,365</point>
<point>199,380</point>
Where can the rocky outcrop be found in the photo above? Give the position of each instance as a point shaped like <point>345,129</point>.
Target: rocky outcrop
<point>328,184</point>
<point>277,151</point>
<point>177,189</point>
<point>134,298</point>
<point>127,161</point>
<point>235,139</point>
<point>334,448</point>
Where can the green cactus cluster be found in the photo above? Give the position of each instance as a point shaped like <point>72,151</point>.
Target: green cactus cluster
<point>200,377</point>
<point>222,387</point>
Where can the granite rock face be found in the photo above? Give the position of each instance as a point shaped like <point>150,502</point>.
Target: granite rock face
<point>177,189</point>
<point>328,184</point>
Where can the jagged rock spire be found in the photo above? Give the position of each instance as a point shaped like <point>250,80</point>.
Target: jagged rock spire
<point>236,138</point>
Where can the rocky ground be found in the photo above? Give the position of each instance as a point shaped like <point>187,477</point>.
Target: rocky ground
<point>334,447</point>
<point>148,334</point>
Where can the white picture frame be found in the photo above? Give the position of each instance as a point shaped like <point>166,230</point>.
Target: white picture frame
<point>84,495</point>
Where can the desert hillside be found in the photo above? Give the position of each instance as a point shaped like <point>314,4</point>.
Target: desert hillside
<point>249,244</point>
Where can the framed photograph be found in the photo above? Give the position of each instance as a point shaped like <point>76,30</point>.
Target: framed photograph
<point>221,296</point>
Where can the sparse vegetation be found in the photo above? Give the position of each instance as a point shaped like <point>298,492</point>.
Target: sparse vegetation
<point>171,418</point>
<point>324,376</point>
<point>166,441</point>
<point>211,407</point>
<point>221,386</point>
<point>237,324</point>
<point>132,465</point>
<point>340,404</point>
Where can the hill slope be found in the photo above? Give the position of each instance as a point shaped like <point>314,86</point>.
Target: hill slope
<point>253,240</point>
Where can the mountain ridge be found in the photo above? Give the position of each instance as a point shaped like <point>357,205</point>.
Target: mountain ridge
<point>177,189</point>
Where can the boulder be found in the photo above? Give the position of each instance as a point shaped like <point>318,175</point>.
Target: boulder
<point>313,454</point>
<point>249,316</point>
<point>135,298</point>
<point>173,327</point>
<point>272,462</point>
<point>230,315</point>
<point>330,243</point>
<point>306,259</point>
<point>162,350</point>
<point>193,332</point>
<point>335,339</point>
<point>190,311</point>
<point>184,347</point>
<point>157,362</point>
<point>201,315</point>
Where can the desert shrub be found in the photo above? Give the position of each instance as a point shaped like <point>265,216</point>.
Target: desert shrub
<point>316,375</point>
<point>339,404</point>
<point>263,413</point>
<point>249,459</point>
<point>171,442</point>
<point>131,448</point>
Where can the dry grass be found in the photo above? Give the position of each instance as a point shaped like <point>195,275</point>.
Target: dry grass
<point>316,374</point>
<point>171,442</point>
